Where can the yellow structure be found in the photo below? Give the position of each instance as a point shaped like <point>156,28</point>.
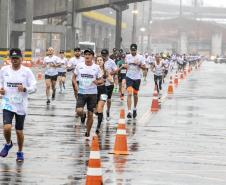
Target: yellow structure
<point>102,18</point>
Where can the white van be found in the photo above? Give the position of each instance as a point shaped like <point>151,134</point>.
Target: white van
<point>86,45</point>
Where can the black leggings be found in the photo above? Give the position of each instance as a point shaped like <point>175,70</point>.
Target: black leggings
<point>158,79</point>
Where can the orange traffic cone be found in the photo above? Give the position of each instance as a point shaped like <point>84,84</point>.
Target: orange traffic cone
<point>181,76</point>
<point>155,101</point>
<point>120,147</point>
<point>170,86</point>
<point>189,69</point>
<point>39,76</point>
<point>122,113</point>
<point>94,172</point>
<point>176,80</point>
<point>185,73</point>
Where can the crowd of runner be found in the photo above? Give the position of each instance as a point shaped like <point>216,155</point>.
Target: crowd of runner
<point>94,79</point>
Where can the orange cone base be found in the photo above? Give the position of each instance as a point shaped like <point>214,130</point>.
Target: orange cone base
<point>119,153</point>
<point>120,149</point>
<point>170,89</point>
<point>94,180</point>
<point>154,110</point>
<point>154,105</point>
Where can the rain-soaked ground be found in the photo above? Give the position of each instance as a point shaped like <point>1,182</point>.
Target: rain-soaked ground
<point>182,144</point>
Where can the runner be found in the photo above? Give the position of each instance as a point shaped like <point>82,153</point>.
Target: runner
<point>89,76</point>
<point>166,64</point>
<point>158,70</point>
<point>184,61</point>
<point>114,54</point>
<point>111,70</point>
<point>122,76</point>
<point>62,72</point>
<point>147,63</point>
<point>180,63</point>
<point>16,81</point>
<point>73,62</point>
<point>116,82</point>
<point>101,95</point>
<point>51,62</point>
<point>135,62</point>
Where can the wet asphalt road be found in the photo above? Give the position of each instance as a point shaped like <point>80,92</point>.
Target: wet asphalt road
<point>182,144</point>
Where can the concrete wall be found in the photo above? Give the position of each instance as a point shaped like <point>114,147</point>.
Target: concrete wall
<point>216,44</point>
<point>183,43</point>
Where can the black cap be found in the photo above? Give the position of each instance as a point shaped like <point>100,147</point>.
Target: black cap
<point>121,51</point>
<point>77,49</point>
<point>89,51</point>
<point>104,52</point>
<point>115,49</point>
<point>62,51</point>
<point>133,47</point>
<point>15,53</point>
<point>123,55</point>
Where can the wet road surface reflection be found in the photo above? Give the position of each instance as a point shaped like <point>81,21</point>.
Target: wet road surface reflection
<point>183,143</point>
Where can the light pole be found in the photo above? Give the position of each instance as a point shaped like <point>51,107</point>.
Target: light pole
<point>181,8</point>
<point>149,26</point>
<point>134,31</point>
<point>142,29</point>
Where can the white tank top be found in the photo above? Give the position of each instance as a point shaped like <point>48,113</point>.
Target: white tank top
<point>158,69</point>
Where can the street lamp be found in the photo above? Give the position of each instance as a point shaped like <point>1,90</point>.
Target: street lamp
<point>142,29</point>
<point>135,12</point>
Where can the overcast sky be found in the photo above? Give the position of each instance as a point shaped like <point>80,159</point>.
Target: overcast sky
<point>218,3</point>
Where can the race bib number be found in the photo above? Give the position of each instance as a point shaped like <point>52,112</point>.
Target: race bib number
<point>17,99</point>
<point>133,68</point>
<point>103,97</point>
<point>86,82</point>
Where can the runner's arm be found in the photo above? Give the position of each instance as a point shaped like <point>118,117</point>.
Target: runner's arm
<point>74,81</point>
<point>2,91</point>
<point>115,69</point>
<point>99,78</point>
<point>98,81</point>
<point>142,64</point>
<point>31,83</point>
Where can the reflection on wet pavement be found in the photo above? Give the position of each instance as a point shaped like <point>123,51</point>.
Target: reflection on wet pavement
<point>182,144</point>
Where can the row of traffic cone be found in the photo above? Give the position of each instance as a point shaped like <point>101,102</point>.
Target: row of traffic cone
<point>170,90</point>
<point>94,171</point>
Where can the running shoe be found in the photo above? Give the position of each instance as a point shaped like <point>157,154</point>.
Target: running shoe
<point>98,131</point>
<point>129,115</point>
<point>122,98</point>
<point>48,102</point>
<point>108,116</point>
<point>6,149</point>
<point>20,157</point>
<point>87,136</point>
<point>134,113</point>
<point>54,94</point>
